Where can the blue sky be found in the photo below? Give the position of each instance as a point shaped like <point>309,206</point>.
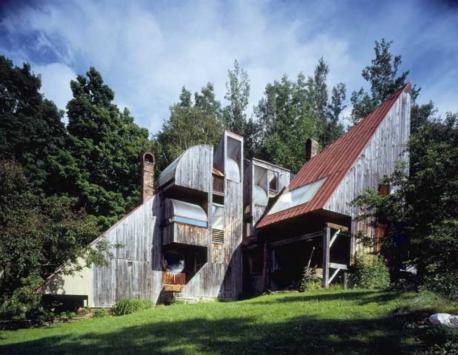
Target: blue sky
<point>147,50</point>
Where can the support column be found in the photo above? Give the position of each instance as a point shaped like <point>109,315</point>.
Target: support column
<point>326,255</point>
<point>265,267</point>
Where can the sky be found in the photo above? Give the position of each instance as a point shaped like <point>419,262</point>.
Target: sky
<point>147,51</point>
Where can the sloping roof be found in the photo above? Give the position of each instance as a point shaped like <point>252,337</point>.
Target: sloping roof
<point>333,163</point>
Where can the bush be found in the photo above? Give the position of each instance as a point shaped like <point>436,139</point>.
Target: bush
<point>309,280</point>
<point>25,304</point>
<point>369,271</point>
<point>100,313</point>
<point>445,284</point>
<point>127,306</point>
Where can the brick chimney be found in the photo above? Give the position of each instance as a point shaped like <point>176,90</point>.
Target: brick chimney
<point>148,163</point>
<point>311,149</point>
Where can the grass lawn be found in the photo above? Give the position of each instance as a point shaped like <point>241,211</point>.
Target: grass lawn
<point>315,322</point>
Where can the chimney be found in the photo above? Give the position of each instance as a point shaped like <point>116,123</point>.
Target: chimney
<point>148,164</point>
<point>311,149</point>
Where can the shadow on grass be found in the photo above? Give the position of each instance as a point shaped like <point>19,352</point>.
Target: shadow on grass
<point>359,297</point>
<point>240,335</point>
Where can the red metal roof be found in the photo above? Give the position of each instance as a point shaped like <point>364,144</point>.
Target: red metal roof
<point>333,163</point>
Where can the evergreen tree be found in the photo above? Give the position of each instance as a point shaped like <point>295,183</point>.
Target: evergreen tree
<point>31,131</point>
<point>106,146</point>
<point>384,78</point>
<point>287,120</point>
<point>235,116</point>
<point>334,129</point>
<point>190,123</point>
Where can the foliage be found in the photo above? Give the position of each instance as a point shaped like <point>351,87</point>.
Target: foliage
<point>235,116</point>
<point>105,147</point>
<point>25,303</point>
<point>37,234</point>
<point>127,306</point>
<point>190,123</point>
<point>423,205</point>
<point>31,131</point>
<point>384,78</point>
<point>293,111</point>
<point>309,280</point>
<point>100,313</point>
<point>369,271</point>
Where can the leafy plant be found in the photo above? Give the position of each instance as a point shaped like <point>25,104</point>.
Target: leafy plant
<point>100,313</point>
<point>127,306</point>
<point>309,280</point>
<point>369,271</point>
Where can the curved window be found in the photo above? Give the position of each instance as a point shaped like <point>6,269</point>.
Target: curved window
<point>233,170</point>
<point>188,213</point>
<point>296,197</point>
<point>260,196</point>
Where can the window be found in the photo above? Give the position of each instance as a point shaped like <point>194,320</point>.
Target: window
<point>296,197</point>
<point>217,216</point>
<point>273,182</point>
<point>188,213</point>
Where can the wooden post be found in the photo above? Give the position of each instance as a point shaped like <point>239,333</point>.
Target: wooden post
<point>265,267</point>
<point>326,256</point>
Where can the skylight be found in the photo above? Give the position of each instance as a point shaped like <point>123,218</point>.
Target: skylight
<point>296,197</point>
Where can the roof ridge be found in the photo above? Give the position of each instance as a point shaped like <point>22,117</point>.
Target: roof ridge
<point>335,161</point>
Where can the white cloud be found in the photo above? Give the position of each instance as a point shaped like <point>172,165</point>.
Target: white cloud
<point>147,52</point>
<point>55,82</point>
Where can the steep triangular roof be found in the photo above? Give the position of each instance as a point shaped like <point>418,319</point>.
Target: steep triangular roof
<point>333,163</point>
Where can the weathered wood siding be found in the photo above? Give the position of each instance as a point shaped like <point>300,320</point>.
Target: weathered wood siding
<point>194,170</point>
<point>221,276</point>
<point>129,270</point>
<point>185,234</point>
<point>378,159</point>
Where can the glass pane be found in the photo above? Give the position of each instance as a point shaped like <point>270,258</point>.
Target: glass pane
<point>296,197</point>
<point>217,216</point>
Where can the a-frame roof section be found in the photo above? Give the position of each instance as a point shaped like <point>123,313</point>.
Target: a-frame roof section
<point>333,163</point>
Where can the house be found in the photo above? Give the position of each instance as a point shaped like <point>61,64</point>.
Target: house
<point>214,224</point>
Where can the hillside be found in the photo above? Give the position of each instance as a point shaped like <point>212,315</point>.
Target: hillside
<point>322,321</point>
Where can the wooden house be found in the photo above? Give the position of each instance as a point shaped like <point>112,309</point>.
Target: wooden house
<point>215,225</point>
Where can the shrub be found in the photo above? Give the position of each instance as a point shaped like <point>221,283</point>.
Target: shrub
<point>445,284</point>
<point>25,304</point>
<point>100,313</point>
<point>127,306</point>
<point>309,280</point>
<point>369,271</point>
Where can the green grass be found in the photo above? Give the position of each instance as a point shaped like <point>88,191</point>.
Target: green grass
<point>315,322</point>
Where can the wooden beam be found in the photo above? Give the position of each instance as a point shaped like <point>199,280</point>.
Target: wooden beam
<point>296,239</point>
<point>334,237</point>
<point>338,266</point>
<point>326,256</point>
<point>337,226</point>
<point>334,274</point>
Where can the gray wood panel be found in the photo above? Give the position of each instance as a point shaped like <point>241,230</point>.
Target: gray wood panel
<point>128,273</point>
<point>385,149</point>
<point>194,170</point>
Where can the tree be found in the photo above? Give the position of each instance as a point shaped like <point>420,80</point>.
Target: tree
<point>384,78</point>
<point>424,204</point>
<point>286,119</point>
<point>291,112</point>
<point>105,146</point>
<point>31,131</point>
<point>36,234</point>
<point>190,123</point>
<point>334,129</point>
<point>235,116</point>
